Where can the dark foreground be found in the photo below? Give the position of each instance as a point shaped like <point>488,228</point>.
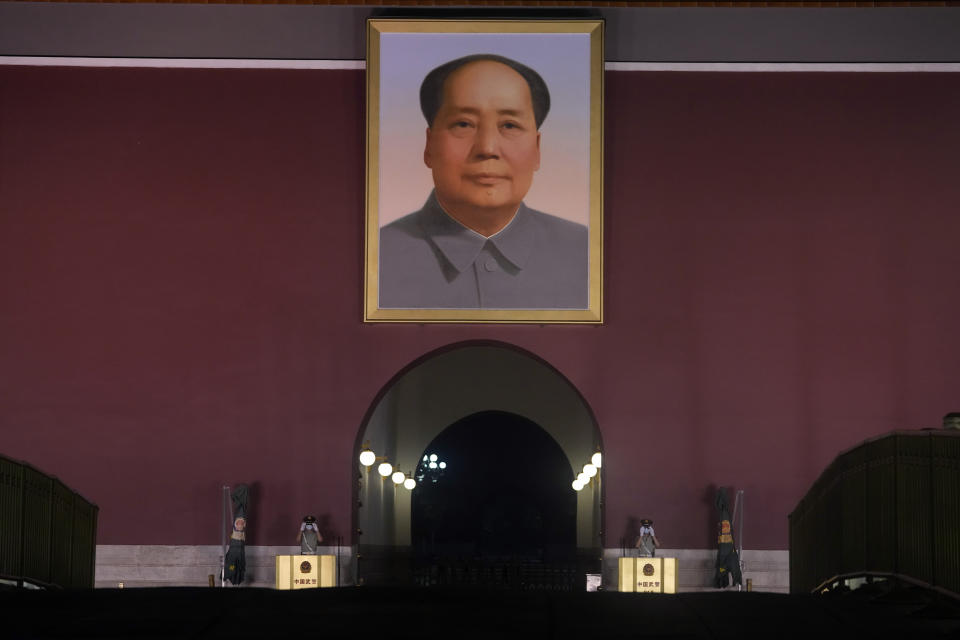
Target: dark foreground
<point>394,613</point>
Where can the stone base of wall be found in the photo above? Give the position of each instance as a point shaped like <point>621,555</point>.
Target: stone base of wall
<point>190,566</point>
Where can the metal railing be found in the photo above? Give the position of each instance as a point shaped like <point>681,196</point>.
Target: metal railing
<point>522,576</point>
<point>48,532</point>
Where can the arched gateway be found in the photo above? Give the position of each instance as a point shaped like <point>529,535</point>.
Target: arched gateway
<point>484,404</point>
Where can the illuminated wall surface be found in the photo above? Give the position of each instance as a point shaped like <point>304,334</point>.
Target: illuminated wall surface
<point>181,275</point>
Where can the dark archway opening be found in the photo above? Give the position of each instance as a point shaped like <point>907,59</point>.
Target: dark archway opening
<point>501,513</point>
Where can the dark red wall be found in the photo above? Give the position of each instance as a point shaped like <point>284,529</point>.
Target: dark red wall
<point>181,271</point>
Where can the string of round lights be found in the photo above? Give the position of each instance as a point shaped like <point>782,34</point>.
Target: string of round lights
<point>590,471</point>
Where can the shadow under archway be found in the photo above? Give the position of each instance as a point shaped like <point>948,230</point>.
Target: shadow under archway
<point>438,390</point>
<point>502,513</point>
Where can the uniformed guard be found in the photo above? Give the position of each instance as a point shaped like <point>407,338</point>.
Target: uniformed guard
<point>309,536</point>
<point>647,542</point>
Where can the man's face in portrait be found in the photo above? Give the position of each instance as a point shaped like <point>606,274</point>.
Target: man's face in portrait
<point>483,145</point>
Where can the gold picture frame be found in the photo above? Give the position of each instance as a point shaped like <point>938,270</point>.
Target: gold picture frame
<point>558,277</point>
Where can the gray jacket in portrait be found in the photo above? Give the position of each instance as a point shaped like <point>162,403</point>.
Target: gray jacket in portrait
<point>428,260</point>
